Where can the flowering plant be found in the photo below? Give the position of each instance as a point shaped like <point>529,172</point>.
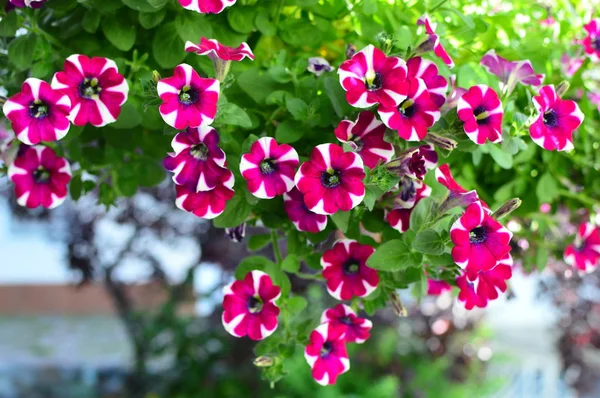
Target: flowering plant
<point>383,145</point>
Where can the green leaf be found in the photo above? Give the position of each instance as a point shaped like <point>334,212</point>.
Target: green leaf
<point>541,258</point>
<point>257,242</point>
<point>441,260</point>
<point>75,187</point>
<point>192,26</point>
<point>9,25</point>
<point>264,24</point>
<point>150,173</point>
<point>231,114</point>
<point>428,242</point>
<point>236,212</point>
<point>140,5</point>
<point>288,132</point>
<point>291,263</point>
<point>120,32</point>
<point>241,19</point>
<point>257,84</point>
<point>251,263</point>
<point>129,118</point>
<point>150,20</point>
<point>502,158</point>
<point>342,220</point>
<point>372,193</point>
<point>547,188</point>
<point>394,255</point>
<point>167,47</point>
<point>299,33</point>
<point>337,96</point>
<point>296,304</point>
<point>421,214</point>
<point>20,51</point>
<point>91,21</point>
<point>298,108</point>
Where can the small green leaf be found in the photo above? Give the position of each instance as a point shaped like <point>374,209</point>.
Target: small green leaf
<point>257,242</point>
<point>231,114</point>
<point>421,214</point>
<point>547,188</point>
<point>342,220</point>
<point>264,24</point>
<point>192,26</point>
<point>236,212</point>
<point>428,242</point>
<point>288,132</point>
<point>129,118</point>
<point>120,32</point>
<point>251,263</point>
<point>372,193</point>
<point>20,51</point>
<point>150,20</point>
<point>291,264</point>
<point>296,304</point>
<point>441,260</point>
<point>91,21</point>
<point>75,187</point>
<point>167,46</point>
<point>241,19</point>
<point>337,96</point>
<point>394,255</point>
<point>9,25</point>
<point>503,158</point>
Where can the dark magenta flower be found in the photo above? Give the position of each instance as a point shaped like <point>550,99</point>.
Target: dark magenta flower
<point>326,353</point>
<point>584,252</point>
<point>436,287</point>
<point>214,49</point>
<point>357,329</point>
<point>206,6</point>
<point>302,218</point>
<point>206,204</point>
<point>477,288</point>
<point>481,111</point>
<point>591,43</point>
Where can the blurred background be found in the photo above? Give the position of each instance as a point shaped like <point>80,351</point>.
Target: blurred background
<point>126,303</point>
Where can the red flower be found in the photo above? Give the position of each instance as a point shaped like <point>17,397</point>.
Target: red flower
<point>206,6</point>
<point>413,117</point>
<point>213,48</point>
<point>591,43</point>
<point>434,41</point>
<point>326,353</point>
<point>302,218</point>
<point>96,89</point>
<point>188,99</point>
<point>269,168</point>
<point>409,196</point>
<point>40,177</point>
<point>479,287</point>
<point>249,306</point>
<point>38,113</point>
<point>420,68</point>
<point>436,287</point>
<point>370,78</point>
<point>357,329</point>
<point>365,136</point>
<point>346,272</point>
<point>206,204</point>
<point>480,241</point>
<point>584,253</point>
<point>197,162</point>
<point>553,130</point>
<point>481,111</point>
<point>331,180</point>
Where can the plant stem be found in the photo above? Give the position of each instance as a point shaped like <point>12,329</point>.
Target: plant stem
<point>3,100</point>
<point>276,251</point>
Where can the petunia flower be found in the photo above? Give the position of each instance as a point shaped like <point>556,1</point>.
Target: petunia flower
<point>584,252</point>
<point>410,194</point>
<point>214,49</point>
<point>436,287</point>
<point>370,78</point>
<point>96,88</point>
<point>365,136</point>
<point>249,307</point>
<point>269,168</point>
<point>197,160</point>
<point>413,116</point>
<point>302,218</point>
<point>318,66</point>
<point>357,329</point>
<point>479,288</point>
<point>457,195</point>
<point>414,162</point>
<point>188,99</point>
<point>346,272</point>
<point>481,111</point>
<point>206,204</point>
<point>331,180</point>
<point>426,70</point>
<point>206,6</point>
<point>40,177</point>
<point>26,3</point>
<point>433,42</point>
<point>326,353</point>
<point>591,43</point>
<point>511,72</point>
<point>454,96</point>
<point>570,65</point>
<point>553,130</point>
<point>38,113</point>
<point>480,241</point>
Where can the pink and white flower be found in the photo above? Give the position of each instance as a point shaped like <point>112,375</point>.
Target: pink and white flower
<point>96,88</point>
<point>480,287</point>
<point>591,42</point>
<point>25,3</point>
<point>331,180</point>
<point>553,130</point>
<point>480,241</point>
<point>197,160</point>
<point>326,353</point>
<point>481,111</point>
<point>214,49</point>
<point>454,96</point>
<point>188,99</point>
<point>40,177</point>
<point>206,6</point>
<point>318,66</point>
<point>346,272</point>
<point>38,113</point>
<point>584,252</point>
<point>269,168</point>
<point>357,329</point>
<point>370,78</point>
<point>410,194</point>
<point>457,196</point>
<point>365,136</point>
<point>413,116</point>
<point>434,41</point>
<point>511,72</point>
<point>302,218</point>
<point>570,65</point>
<point>249,307</point>
<point>426,70</point>
<point>206,204</point>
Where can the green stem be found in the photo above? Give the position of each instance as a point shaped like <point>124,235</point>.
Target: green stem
<point>580,197</point>
<point>276,251</point>
<point>441,3</point>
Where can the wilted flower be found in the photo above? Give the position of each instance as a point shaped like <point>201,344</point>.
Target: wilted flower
<point>433,42</point>
<point>318,66</point>
<point>511,72</point>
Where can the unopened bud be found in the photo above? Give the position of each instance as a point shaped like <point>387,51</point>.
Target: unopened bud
<point>350,51</point>
<point>445,143</point>
<point>155,76</point>
<point>426,46</point>
<point>508,207</point>
<point>236,234</point>
<point>385,41</point>
<point>562,88</point>
<point>399,308</point>
<point>263,361</point>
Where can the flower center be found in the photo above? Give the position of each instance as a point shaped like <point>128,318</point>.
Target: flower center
<point>41,175</point>
<point>331,178</point>
<point>199,151</point>
<point>255,304</point>
<point>373,81</point>
<point>596,43</point>
<point>346,320</point>
<point>38,109</point>
<point>358,144</point>
<point>188,95</point>
<point>351,267</point>
<point>267,166</point>
<point>326,349</point>
<point>416,165</point>
<point>89,88</point>
<point>550,118</point>
<point>481,115</point>
<point>408,108</point>
<point>477,235</point>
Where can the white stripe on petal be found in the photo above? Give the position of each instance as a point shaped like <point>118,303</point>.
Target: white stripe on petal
<point>246,165</point>
<point>74,60</point>
<point>336,294</point>
<point>56,201</point>
<point>319,208</point>
<point>170,118</point>
<point>230,326</point>
<point>105,114</point>
<point>22,200</point>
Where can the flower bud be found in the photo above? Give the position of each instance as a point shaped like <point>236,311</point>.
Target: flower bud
<point>399,308</point>
<point>445,143</point>
<point>426,46</point>
<point>155,76</point>
<point>236,234</point>
<point>508,207</point>
<point>562,88</point>
<point>264,361</point>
